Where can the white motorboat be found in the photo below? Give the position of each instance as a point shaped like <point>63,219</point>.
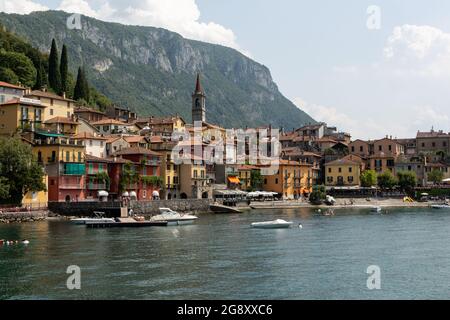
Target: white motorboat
<point>83,221</point>
<point>173,218</point>
<point>376,209</point>
<point>277,224</point>
<point>441,206</point>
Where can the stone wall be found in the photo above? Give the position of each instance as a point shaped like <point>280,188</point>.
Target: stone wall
<point>188,205</point>
<point>84,209</point>
<point>19,217</point>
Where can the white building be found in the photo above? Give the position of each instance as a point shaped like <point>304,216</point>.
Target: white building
<point>9,91</point>
<point>95,145</point>
<point>111,126</point>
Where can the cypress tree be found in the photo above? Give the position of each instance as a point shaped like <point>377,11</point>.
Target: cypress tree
<point>41,77</point>
<point>54,73</point>
<point>64,70</point>
<point>81,91</point>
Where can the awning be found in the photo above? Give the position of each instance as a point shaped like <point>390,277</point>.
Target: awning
<point>50,135</point>
<point>234,180</point>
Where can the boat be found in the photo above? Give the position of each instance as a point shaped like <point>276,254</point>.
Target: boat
<point>97,219</point>
<point>125,223</point>
<point>277,224</point>
<point>173,218</point>
<point>441,206</point>
<point>218,208</point>
<point>376,209</point>
<point>83,221</point>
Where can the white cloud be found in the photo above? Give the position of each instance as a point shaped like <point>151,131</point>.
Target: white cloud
<point>78,6</point>
<point>20,6</point>
<point>427,117</point>
<point>181,16</point>
<point>418,50</point>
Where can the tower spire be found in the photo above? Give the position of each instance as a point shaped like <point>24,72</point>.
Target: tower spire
<point>198,85</point>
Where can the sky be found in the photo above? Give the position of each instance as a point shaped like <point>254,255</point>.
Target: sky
<point>371,68</point>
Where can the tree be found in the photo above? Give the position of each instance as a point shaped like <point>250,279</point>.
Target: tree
<point>7,75</point>
<point>369,179</point>
<point>387,180</point>
<point>407,180</point>
<point>256,180</point>
<point>318,195</point>
<point>436,176</point>
<point>81,91</point>
<point>128,177</point>
<point>19,170</point>
<point>4,189</point>
<point>21,65</point>
<point>41,77</point>
<point>54,73</point>
<point>64,69</point>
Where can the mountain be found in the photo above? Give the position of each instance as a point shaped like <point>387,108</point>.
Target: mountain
<point>152,70</point>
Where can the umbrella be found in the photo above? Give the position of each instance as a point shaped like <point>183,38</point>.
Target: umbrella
<point>446,180</point>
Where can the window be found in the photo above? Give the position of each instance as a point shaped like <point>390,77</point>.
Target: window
<point>353,149</point>
<point>434,144</point>
<point>79,157</point>
<point>195,174</point>
<point>380,148</point>
<point>329,179</point>
<point>361,149</point>
<point>329,170</point>
<point>423,144</point>
<point>67,156</point>
<point>144,194</point>
<point>340,170</point>
<point>350,169</point>
<point>265,181</point>
<point>390,147</point>
<point>51,112</point>
<point>350,179</point>
<point>276,181</point>
<point>444,144</point>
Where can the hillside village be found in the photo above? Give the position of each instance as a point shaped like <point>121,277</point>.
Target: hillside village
<point>90,155</point>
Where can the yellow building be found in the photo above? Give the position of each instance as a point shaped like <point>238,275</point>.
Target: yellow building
<point>62,125</point>
<point>194,183</point>
<point>57,106</point>
<point>22,114</point>
<point>292,180</point>
<point>342,173</point>
<point>245,176</point>
<point>36,199</point>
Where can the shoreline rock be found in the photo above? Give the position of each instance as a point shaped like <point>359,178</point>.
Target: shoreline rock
<point>23,217</point>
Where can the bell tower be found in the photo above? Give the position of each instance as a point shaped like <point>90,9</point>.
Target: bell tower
<point>198,103</point>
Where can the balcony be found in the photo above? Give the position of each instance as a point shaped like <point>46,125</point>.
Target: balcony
<point>74,169</point>
<point>96,186</point>
<point>70,186</point>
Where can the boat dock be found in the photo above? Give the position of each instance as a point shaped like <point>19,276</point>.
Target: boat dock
<point>126,223</point>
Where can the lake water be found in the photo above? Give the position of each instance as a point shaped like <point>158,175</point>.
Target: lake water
<point>221,257</point>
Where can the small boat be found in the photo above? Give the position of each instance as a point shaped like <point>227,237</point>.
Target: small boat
<point>83,221</point>
<point>173,218</point>
<point>218,208</point>
<point>277,224</point>
<point>98,219</point>
<point>441,206</point>
<point>376,209</point>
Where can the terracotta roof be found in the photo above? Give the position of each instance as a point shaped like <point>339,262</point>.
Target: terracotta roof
<point>113,139</point>
<point>63,120</point>
<point>46,94</point>
<point>110,121</point>
<point>324,140</point>
<point>89,136</point>
<point>130,151</point>
<point>157,120</point>
<point>85,109</point>
<point>432,134</point>
<point>156,139</point>
<point>12,86</point>
<point>97,159</point>
<point>22,102</point>
<point>341,162</point>
<point>134,139</point>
